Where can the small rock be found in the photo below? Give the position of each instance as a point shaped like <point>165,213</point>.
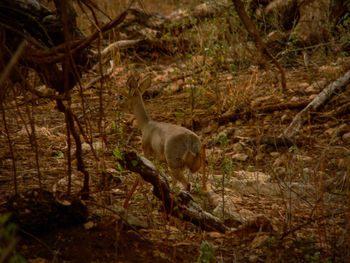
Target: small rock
<point>253,258</point>
<point>173,229</point>
<point>238,122</point>
<point>85,146</point>
<point>318,85</point>
<point>211,127</point>
<point>346,137</point>
<point>258,101</point>
<point>240,157</point>
<point>303,85</point>
<point>38,260</point>
<point>136,221</point>
<point>330,131</point>
<point>44,90</point>
<point>267,119</point>
<point>280,170</point>
<point>98,145</point>
<point>259,241</point>
<point>246,214</point>
<point>275,154</point>
<point>214,235</point>
<point>312,96</point>
<point>252,176</point>
<point>172,87</point>
<point>310,89</point>
<point>213,198</point>
<point>307,171</point>
<point>303,158</point>
<point>237,147</point>
<point>88,225</point>
<point>342,60</point>
<point>240,132</point>
<point>285,118</point>
<point>259,157</point>
<point>232,218</point>
<point>294,99</point>
<point>199,60</point>
<point>343,128</point>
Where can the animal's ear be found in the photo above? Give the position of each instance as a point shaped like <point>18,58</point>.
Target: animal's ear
<point>132,85</point>
<point>145,83</point>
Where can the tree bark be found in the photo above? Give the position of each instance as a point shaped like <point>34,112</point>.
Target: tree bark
<point>181,205</point>
<point>260,45</point>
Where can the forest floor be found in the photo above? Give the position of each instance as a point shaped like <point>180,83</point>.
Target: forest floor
<point>280,203</point>
<point>299,198</point>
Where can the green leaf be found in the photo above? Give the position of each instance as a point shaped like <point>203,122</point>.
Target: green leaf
<point>4,218</point>
<point>134,163</point>
<point>117,153</point>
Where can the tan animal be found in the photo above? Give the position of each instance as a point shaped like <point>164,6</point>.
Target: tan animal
<point>176,145</point>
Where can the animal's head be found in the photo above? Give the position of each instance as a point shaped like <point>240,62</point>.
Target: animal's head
<point>137,86</point>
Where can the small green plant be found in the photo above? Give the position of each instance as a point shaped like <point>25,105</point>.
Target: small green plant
<point>59,155</point>
<point>180,114</point>
<point>134,163</point>
<point>295,150</point>
<point>117,153</point>
<point>313,258</point>
<point>251,168</point>
<point>222,139</point>
<point>271,241</point>
<point>207,253</point>
<point>8,241</point>
<point>227,167</point>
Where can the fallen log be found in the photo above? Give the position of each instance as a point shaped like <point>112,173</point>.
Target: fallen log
<point>179,205</point>
<point>148,32</point>
<point>318,101</point>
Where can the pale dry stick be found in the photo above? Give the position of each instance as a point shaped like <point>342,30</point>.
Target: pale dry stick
<point>315,104</point>
<point>176,145</point>
<point>33,138</point>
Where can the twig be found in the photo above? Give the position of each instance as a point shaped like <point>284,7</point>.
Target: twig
<point>11,149</point>
<point>310,220</point>
<point>33,140</point>
<point>38,240</point>
<point>260,44</point>
<point>121,216</point>
<point>78,152</point>
<point>12,62</point>
<point>50,56</point>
